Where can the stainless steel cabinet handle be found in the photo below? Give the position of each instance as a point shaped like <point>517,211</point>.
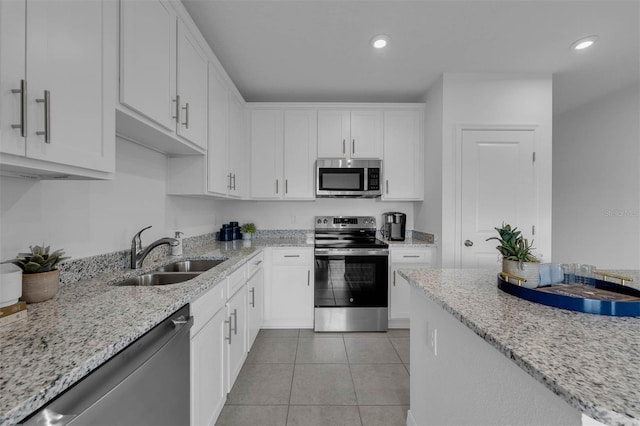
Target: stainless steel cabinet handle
<point>344,141</point>
<point>253,297</point>
<point>468,243</point>
<point>235,321</point>
<point>23,108</point>
<point>234,182</point>
<point>286,186</point>
<point>353,146</point>
<point>47,116</point>
<point>394,278</point>
<point>181,320</point>
<point>229,184</point>
<point>291,255</point>
<point>276,186</point>
<point>387,186</point>
<point>228,338</point>
<point>308,277</point>
<point>410,255</point>
<point>177,116</point>
<point>186,115</point>
<point>257,262</point>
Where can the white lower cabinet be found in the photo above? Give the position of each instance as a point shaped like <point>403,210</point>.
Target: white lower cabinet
<point>255,298</point>
<point>399,289</point>
<point>237,334</point>
<point>289,288</point>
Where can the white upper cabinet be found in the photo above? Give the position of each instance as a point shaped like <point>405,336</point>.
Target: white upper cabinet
<point>163,79</point>
<point>349,134</point>
<point>237,148</point>
<point>191,88</point>
<point>403,164</point>
<point>57,101</point>
<point>300,133</point>
<point>219,180</point>
<point>283,146</point>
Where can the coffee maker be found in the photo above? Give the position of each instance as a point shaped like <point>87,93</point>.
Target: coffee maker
<point>393,225</point>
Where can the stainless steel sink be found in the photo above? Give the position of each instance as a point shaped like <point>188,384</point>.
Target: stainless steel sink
<point>159,278</point>
<point>199,265</point>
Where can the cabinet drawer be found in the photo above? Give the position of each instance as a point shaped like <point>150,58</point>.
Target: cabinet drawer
<point>206,306</point>
<point>254,264</point>
<point>235,280</point>
<point>411,256</point>
<point>292,256</point>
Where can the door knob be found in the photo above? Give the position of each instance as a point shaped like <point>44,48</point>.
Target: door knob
<point>468,243</point>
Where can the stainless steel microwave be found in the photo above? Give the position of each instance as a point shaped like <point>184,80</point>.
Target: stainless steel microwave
<point>341,177</point>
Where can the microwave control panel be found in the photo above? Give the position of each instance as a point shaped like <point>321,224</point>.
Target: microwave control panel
<point>373,179</point>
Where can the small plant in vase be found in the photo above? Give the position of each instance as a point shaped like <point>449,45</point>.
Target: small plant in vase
<point>248,229</point>
<point>517,255</point>
<point>40,275</point>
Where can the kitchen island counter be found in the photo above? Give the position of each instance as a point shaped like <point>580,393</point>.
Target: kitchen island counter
<point>591,362</point>
<point>90,320</point>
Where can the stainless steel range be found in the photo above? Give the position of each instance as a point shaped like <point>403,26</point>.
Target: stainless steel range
<point>351,275</point>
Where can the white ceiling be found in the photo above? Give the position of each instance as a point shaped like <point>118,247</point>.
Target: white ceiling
<point>318,50</point>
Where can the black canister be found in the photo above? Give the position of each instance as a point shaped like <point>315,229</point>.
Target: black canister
<point>226,233</point>
<point>235,230</point>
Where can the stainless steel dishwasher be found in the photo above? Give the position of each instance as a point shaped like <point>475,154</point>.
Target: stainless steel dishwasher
<point>147,383</point>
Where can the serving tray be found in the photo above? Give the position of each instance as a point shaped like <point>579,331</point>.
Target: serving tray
<point>588,295</point>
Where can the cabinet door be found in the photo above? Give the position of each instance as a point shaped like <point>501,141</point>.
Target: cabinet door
<point>219,180</point>
<point>208,369</point>
<point>12,72</point>
<point>255,305</point>
<point>237,346</point>
<point>403,159</point>
<point>300,134</point>
<point>192,88</point>
<point>366,134</point>
<point>266,154</point>
<point>237,148</point>
<point>148,62</point>
<point>333,134</point>
<point>399,289</point>
<point>79,78</point>
<point>291,296</point>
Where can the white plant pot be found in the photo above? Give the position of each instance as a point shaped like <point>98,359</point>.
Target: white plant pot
<point>246,236</point>
<point>10,284</point>
<point>527,270</point>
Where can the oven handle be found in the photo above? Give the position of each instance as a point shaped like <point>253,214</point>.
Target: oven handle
<point>351,252</point>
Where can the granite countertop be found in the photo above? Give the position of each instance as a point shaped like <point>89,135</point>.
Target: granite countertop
<point>413,239</point>
<point>89,321</point>
<point>591,361</point>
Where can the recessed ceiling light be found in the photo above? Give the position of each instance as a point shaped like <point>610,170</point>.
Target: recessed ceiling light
<point>584,42</point>
<point>380,41</point>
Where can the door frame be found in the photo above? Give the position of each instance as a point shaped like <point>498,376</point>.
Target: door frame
<point>459,129</point>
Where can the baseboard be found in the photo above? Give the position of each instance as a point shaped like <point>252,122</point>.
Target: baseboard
<point>399,323</point>
<point>286,324</point>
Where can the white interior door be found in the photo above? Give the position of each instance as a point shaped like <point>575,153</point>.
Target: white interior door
<point>497,185</point>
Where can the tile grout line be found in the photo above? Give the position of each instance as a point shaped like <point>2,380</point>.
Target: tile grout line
<point>295,362</point>
<point>344,343</point>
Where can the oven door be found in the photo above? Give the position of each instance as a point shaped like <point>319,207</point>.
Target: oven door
<point>351,289</point>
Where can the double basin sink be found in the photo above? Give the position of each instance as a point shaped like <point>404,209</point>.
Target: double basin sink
<point>173,273</point>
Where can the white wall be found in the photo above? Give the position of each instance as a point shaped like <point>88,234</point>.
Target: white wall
<point>596,175</point>
<point>428,214</point>
<point>299,214</point>
<point>93,217</point>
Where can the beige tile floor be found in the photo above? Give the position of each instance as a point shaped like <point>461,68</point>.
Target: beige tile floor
<point>298,377</point>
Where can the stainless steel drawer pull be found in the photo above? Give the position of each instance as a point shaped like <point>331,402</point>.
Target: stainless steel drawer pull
<point>257,262</point>
<point>291,255</point>
<point>186,115</point>
<point>235,321</point>
<point>253,297</point>
<point>228,322</point>
<point>47,116</point>
<point>177,116</point>
<point>308,278</point>
<point>181,320</point>
<point>23,108</point>
<point>394,278</point>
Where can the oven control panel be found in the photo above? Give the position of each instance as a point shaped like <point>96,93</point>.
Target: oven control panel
<point>345,222</point>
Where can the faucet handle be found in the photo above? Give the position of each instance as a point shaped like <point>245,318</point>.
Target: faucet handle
<point>136,237</point>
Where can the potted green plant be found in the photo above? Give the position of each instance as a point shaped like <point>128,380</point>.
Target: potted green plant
<point>248,229</point>
<point>517,255</point>
<point>40,277</point>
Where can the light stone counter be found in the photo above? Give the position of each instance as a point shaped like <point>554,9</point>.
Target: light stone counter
<point>91,320</point>
<point>591,361</point>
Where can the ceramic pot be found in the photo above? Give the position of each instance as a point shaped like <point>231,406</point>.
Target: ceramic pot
<point>528,270</point>
<point>40,287</point>
<point>246,236</point>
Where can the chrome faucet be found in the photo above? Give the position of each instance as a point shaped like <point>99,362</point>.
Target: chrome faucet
<point>138,255</point>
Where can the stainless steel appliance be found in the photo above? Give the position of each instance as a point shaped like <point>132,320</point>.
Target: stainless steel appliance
<point>393,226</point>
<point>351,275</point>
<point>147,383</point>
<point>340,177</point>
